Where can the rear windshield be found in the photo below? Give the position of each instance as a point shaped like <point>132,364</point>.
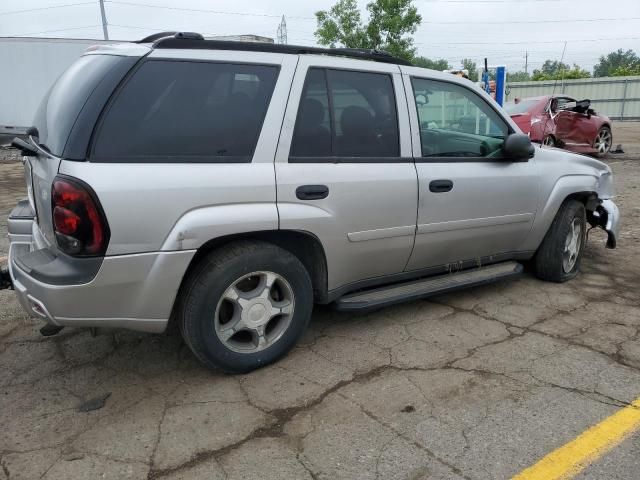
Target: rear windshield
<point>64,101</point>
<point>521,107</point>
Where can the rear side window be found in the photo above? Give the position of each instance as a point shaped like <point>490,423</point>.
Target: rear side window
<point>177,111</point>
<point>344,114</point>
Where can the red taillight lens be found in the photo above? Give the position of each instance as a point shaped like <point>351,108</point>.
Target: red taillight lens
<point>79,224</point>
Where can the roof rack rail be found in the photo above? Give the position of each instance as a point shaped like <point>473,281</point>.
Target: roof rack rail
<point>190,40</point>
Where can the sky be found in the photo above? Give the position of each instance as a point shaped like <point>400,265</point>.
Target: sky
<point>501,30</point>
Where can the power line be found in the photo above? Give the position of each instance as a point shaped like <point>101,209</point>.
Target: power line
<point>12,12</point>
<point>492,1</point>
<point>200,10</point>
<point>500,42</point>
<point>509,22</point>
<point>52,31</point>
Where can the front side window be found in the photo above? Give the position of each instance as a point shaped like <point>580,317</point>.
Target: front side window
<point>187,111</point>
<point>345,114</point>
<point>455,122</point>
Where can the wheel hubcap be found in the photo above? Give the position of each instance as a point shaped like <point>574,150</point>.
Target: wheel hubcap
<point>603,141</point>
<point>572,246</point>
<point>254,312</point>
<point>548,141</point>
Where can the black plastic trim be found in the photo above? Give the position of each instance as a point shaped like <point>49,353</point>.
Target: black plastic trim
<point>469,160</point>
<point>336,293</point>
<point>22,211</point>
<point>375,305</point>
<point>350,159</point>
<point>362,54</point>
<point>57,268</point>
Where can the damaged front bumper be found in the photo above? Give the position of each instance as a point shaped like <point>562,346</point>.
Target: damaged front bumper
<point>607,216</point>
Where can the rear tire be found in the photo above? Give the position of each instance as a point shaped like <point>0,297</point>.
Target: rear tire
<point>603,141</point>
<point>245,306</point>
<point>558,257</point>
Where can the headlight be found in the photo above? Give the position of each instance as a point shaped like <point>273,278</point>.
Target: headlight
<point>605,185</point>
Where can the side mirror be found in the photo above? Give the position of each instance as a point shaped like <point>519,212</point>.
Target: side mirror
<point>517,147</point>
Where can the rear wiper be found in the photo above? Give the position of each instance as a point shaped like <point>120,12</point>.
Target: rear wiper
<point>31,148</point>
<point>27,149</point>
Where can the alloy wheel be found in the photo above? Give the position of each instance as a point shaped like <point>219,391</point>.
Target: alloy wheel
<point>254,312</point>
<point>603,141</point>
<point>572,245</point>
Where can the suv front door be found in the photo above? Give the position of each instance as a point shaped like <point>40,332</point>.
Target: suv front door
<point>344,166</point>
<point>474,205</point>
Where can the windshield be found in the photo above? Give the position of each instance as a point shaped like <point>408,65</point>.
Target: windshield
<point>521,107</point>
<point>60,107</point>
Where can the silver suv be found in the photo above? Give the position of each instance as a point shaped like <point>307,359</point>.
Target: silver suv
<point>227,187</point>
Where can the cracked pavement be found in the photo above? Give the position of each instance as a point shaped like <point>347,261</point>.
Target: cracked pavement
<point>477,384</point>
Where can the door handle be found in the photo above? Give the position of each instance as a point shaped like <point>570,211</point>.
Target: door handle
<point>440,186</point>
<point>312,192</point>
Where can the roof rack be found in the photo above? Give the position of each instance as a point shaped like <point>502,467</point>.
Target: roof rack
<point>190,40</point>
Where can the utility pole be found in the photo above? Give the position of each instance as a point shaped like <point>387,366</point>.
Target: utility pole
<point>526,61</point>
<point>105,31</point>
<point>282,31</point>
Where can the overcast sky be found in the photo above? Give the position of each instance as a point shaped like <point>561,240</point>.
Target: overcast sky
<point>501,30</point>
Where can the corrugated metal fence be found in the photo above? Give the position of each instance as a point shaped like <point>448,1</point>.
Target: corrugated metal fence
<point>616,97</point>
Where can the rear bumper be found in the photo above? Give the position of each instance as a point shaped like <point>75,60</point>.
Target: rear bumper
<point>127,291</point>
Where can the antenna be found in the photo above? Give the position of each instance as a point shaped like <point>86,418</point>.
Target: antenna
<point>282,31</point>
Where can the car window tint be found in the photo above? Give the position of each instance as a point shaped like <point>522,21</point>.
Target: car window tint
<point>187,111</point>
<point>346,114</point>
<point>456,122</point>
<point>312,137</point>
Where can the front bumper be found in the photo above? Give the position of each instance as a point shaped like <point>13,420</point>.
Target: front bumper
<point>126,291</point>
<point>607,216</point>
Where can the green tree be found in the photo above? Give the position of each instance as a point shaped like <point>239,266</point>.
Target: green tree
<point>518,76</point>
<point>471,67</point>
<point>390,24</point>
<point>425,62</point>
<point>626,71</point>
<point>616,63</point>
<point>555,70</point>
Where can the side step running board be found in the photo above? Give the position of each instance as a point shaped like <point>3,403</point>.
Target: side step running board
<point>402,292</point>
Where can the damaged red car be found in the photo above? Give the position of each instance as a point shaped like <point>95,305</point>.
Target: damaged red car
<point>561,121</point>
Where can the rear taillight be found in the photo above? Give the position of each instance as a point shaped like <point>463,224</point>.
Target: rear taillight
<point>78,221</point>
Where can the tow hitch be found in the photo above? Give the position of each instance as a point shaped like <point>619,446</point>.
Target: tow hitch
<point>5,278</point>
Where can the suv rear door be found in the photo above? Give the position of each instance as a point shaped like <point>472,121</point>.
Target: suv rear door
<point>473,204</point>
<point>344,169</point>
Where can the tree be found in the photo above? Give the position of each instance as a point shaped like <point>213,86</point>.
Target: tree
<point>555,70</point>
<point>391,22</point>
<point>616,63</point>
<point>471,67</point>
<point>518,76</point>
<point>425,62</point>
<point>626,71</point>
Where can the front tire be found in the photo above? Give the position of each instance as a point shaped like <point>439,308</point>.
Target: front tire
<point>245,306</point>
<point>559,255</point>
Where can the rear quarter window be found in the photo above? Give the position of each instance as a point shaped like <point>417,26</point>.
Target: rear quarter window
<point>184,111</point>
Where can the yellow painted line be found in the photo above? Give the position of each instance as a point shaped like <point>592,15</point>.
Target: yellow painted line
<point>570,459</point>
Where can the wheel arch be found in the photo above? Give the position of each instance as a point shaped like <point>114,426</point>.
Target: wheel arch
<point>304,245</point>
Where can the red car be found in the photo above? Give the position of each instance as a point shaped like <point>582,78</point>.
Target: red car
<point>561,121</point>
